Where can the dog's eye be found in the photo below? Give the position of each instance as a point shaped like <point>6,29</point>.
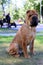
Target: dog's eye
<point>30,15</point>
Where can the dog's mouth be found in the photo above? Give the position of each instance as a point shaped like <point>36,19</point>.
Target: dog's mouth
<point>34,21</point>
<point>34,24</point>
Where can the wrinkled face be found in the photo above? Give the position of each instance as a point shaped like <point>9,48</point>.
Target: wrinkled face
<point>32,18</point>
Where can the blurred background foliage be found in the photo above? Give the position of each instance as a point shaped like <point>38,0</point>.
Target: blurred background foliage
<point>6,6</point>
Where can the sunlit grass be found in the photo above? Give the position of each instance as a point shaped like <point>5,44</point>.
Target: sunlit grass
<point>5,39</point>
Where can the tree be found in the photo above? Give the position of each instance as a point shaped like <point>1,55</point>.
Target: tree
<point>2,3</point>
<point>16,14</point>
<point>38,7</point>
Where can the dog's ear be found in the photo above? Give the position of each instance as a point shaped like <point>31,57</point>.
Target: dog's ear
<point>27,11</point>
<point>24,21</point>
<point>26,17</point>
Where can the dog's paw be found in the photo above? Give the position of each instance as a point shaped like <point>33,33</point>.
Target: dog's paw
<point>17,55</point>
<point>32,53</point>
<point>27,56</point>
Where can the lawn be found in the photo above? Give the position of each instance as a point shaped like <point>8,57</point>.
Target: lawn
<point>6,59</point>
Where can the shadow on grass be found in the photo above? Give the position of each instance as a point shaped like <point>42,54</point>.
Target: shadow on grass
<point>6,59</point>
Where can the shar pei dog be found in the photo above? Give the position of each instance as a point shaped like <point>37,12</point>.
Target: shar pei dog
<point>25,36</point>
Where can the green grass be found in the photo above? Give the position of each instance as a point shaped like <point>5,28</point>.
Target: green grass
<point>5,39</point>
<point>6,59</point>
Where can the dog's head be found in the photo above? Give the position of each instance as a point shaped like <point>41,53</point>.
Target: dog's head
<point>32,18</point>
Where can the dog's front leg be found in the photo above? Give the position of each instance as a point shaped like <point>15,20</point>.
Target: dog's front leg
<point>32,47</point>
<point>24,47</point>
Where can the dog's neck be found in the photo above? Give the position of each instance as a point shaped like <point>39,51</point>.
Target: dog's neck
<point>31,28</point>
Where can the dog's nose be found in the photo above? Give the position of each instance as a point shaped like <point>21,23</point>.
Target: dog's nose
<point>34,18</point>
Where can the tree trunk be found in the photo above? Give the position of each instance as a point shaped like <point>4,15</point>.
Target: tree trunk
<point>3,10</point>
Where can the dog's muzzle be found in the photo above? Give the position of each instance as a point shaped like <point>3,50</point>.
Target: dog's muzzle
<point>34,21</point>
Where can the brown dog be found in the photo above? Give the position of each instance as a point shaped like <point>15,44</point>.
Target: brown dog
<point>25,35</point>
